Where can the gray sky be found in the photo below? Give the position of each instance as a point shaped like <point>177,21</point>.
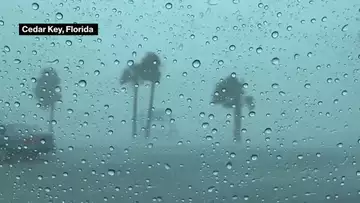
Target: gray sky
<point>292,111</point>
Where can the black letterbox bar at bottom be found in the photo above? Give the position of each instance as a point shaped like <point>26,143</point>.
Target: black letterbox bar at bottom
<point>58,29</point>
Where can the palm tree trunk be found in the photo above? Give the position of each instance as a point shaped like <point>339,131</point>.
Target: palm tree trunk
<point>52,115</point>
<point>134,120</point>
<point>237,122</point>
<point>150,110</point>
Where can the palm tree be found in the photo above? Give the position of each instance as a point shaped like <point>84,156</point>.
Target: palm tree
<point>230,94</point>
<point>47,91</point>
<point>131,75</point>
<point>151,73</point>
<point>147,70</point>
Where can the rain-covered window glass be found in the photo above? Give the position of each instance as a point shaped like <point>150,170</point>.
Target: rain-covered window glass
<point>212,101</point>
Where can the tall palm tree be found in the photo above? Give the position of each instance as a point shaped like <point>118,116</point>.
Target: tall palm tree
<point>229,93</point>
<point>147,70</point>
<point>131,75</point>
<point>45,92</point>
<point>151,73</point>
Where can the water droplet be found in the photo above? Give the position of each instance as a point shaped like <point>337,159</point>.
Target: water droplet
<point>344,92</point>
<point>275,34</point>
<point>345,28</point>
<point>229,165</point>
<point>254,157</point>
<point>232,47</point>
<point>58,89</point>
<point>35,6</point>
<point>275,61</point>
<point>17,61</point>
<point>252,113</point>
<point>307,85</point>
<point>268,130</point>
<point>111,172</point>
<point>2,23</point>
<point>211,189</point>
<point>82,83</point>
<point>196,63</point>
<point>68,42</point>
<point>275,85</point>
<point>358,173</point>
<point>7,48</point>
<point>59,16</point>
<point>167,166</point>
<point>168,5</point>
<point>17,104</point>
<point>168,111</point>
<point>300,156</point>
<point>259,50</point>
<point>205,125</point>
<point>214,131</point>
<point>96,72</point>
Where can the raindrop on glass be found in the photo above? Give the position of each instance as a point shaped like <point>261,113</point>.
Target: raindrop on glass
<point>168,5</point>
<point>35,6</point>
<point>229,165</point>
<point>82,83</point>
<point>345,28</point>
<point>168,111</point>
<point>307,85</point>
<point>344,92</point>
<point>268,130</point>
<point>275,34</point>
<point>111,172</point>
<point>196,63</point>
<point>259,50</point>
<point>275,61</point>
<point>167,166</point>
<point>59,16</point>
<point>232,47</point>
<point>17,61</point>
<point>275,85</point>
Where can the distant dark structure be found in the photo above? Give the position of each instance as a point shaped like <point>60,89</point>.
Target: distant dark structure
<point>229,93</point>
<point>47,91</point>
<point>146,71</point>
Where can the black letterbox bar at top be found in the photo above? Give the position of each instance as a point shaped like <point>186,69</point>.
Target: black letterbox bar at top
<point>58,29</point>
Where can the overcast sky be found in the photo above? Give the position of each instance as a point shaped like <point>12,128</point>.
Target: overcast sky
<point>311,92</point>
